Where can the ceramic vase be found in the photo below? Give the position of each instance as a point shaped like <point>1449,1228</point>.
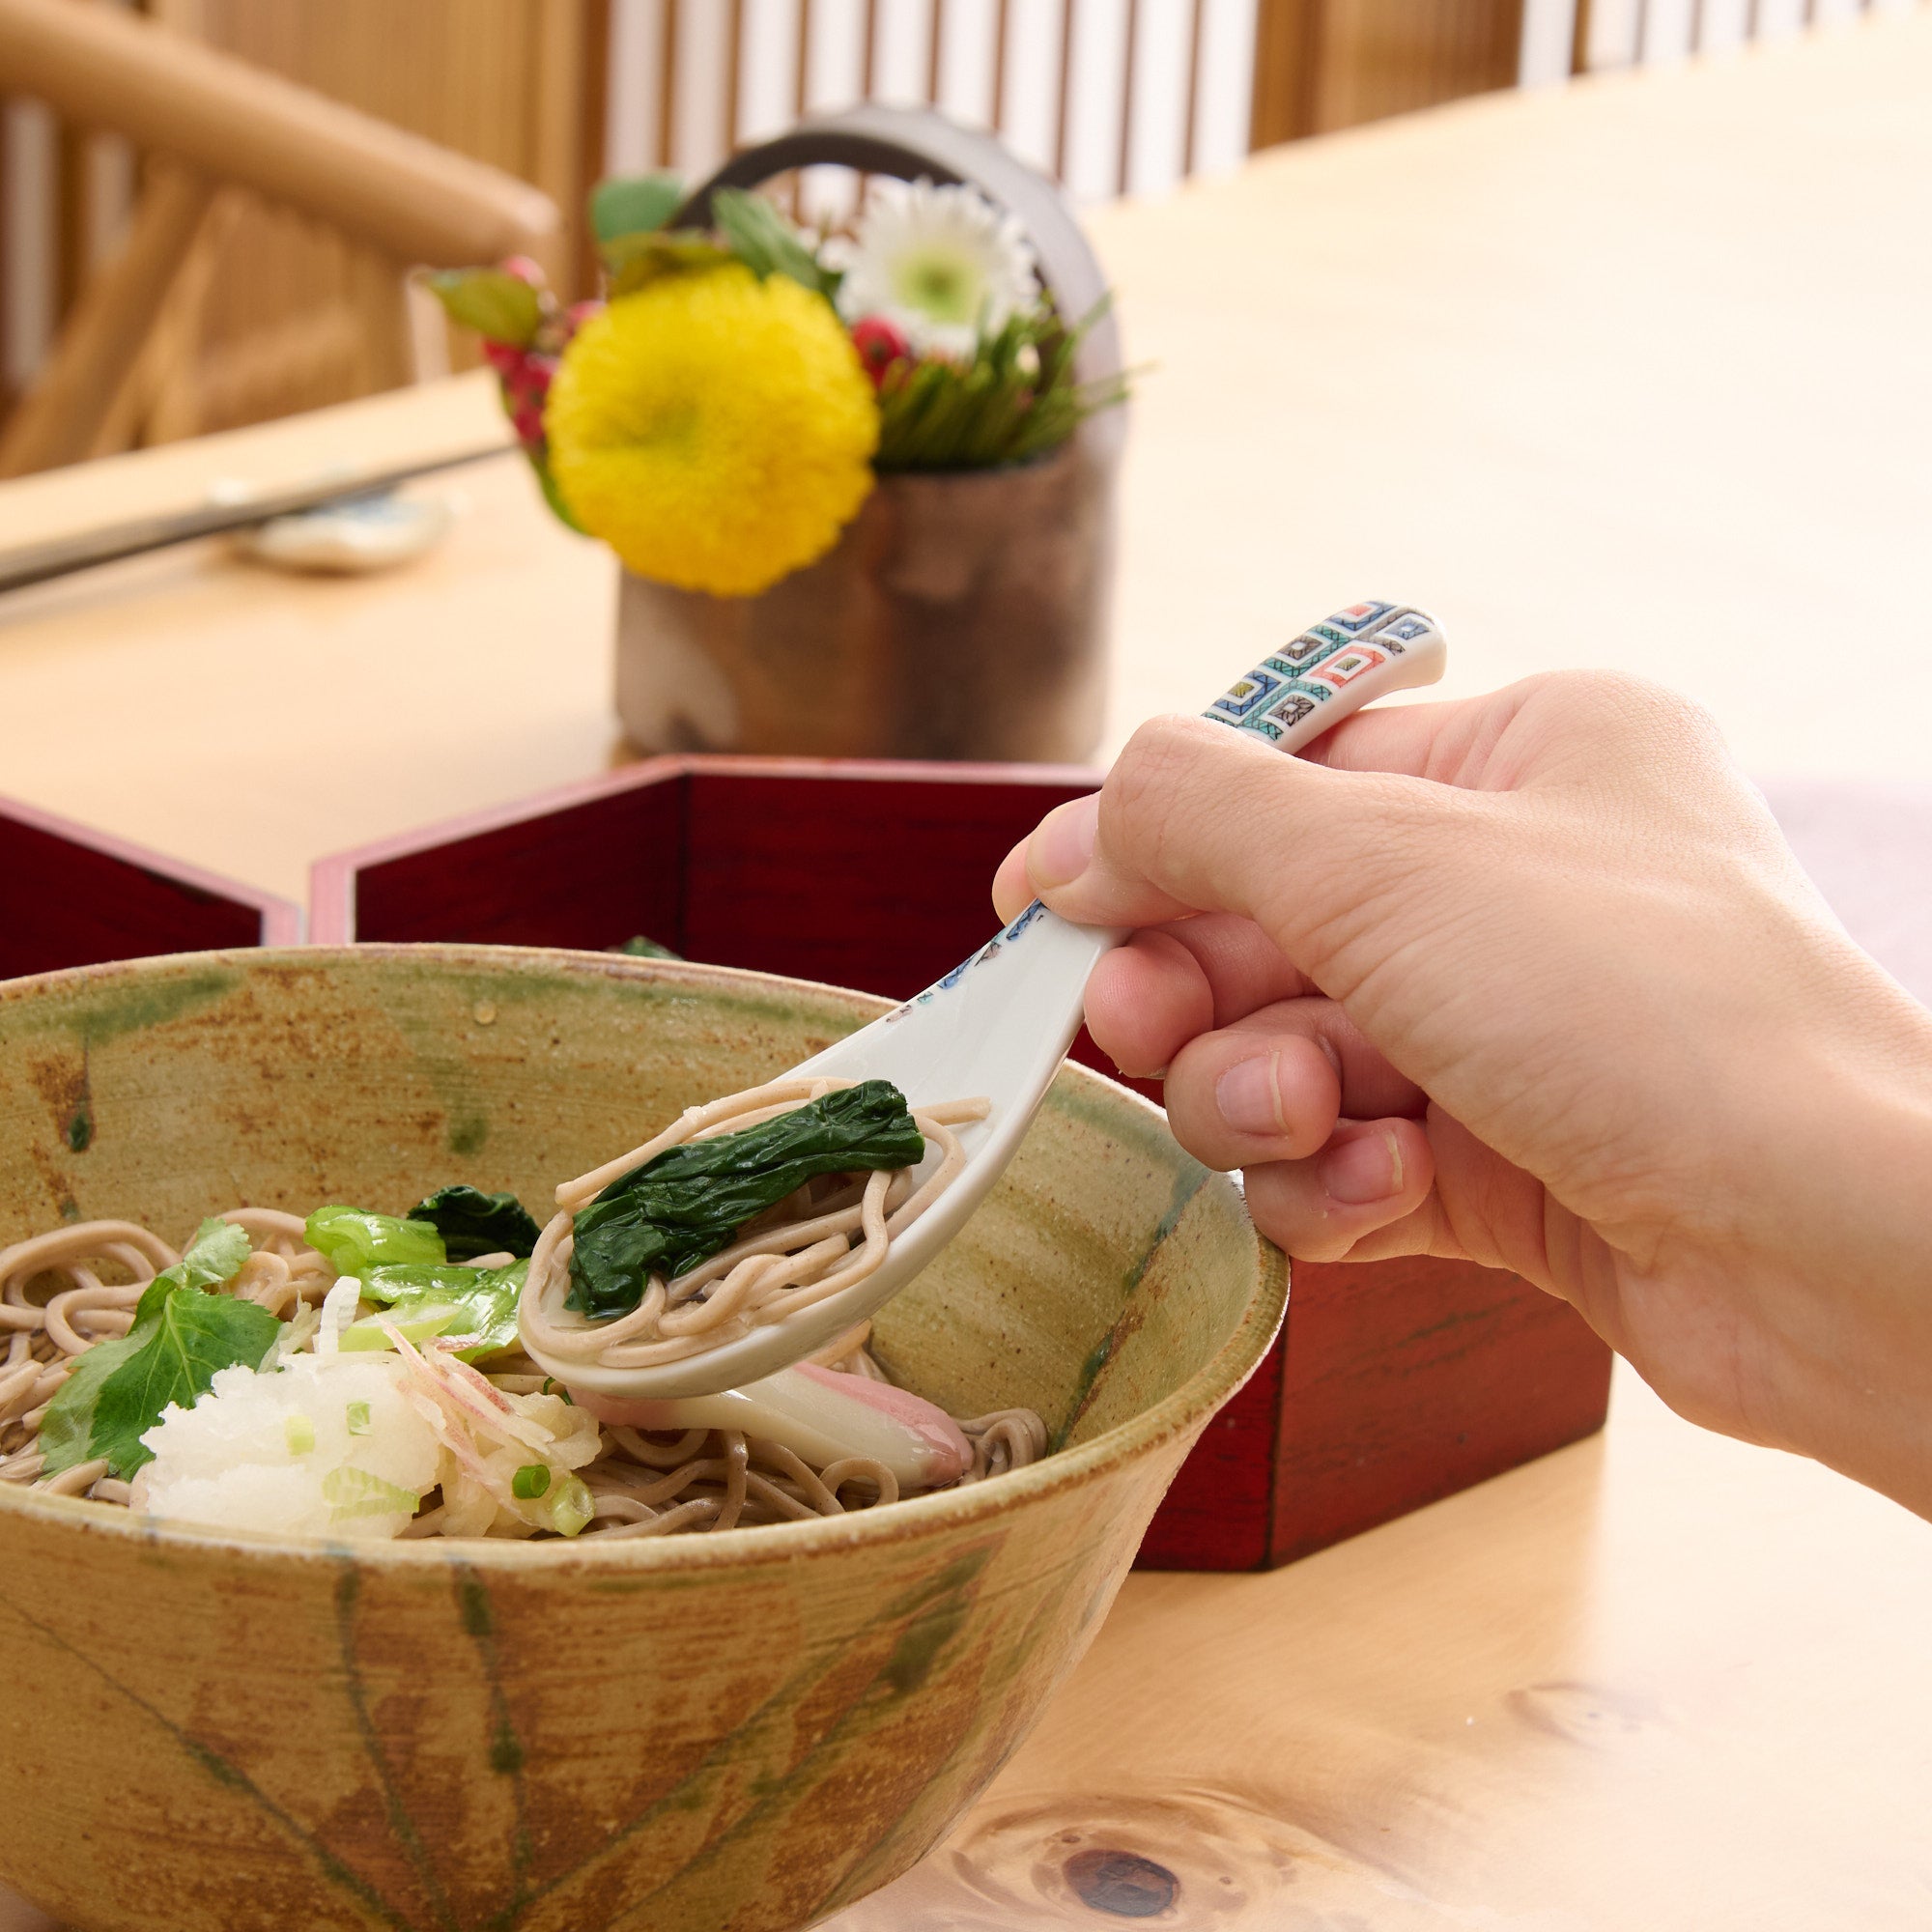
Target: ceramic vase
<point>962,615</point>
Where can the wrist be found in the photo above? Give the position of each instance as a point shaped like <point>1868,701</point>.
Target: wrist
<point>1845,1270</point>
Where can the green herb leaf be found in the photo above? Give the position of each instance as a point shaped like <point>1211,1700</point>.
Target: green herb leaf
<point>189,1334</point>
<point>496,303</point>
<point>450,1300</point>
<point>633,204</point>
<point>630,261</point>
<point>214,1255</point>
<point>685,1204</point>
<point>763,239</point>
<point>67,1428</point>
<point>473,1223</point>
<point>353,1240</point>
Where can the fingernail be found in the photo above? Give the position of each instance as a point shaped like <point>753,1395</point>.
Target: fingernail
<point>1249,1097</point>
<point>1361,1171</point>
<point>1059,851</point>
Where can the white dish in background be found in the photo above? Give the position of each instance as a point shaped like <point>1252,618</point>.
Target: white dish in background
<point>351,536</point>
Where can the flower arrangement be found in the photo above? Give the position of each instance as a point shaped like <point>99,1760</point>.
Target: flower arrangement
<point>721,415</point>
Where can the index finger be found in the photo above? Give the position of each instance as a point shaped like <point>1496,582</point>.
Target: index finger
<point>1446,740</point>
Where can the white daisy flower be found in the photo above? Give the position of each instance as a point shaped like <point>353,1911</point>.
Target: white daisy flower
<point>942,263</point>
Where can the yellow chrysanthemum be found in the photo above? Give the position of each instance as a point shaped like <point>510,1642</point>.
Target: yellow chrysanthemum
<point>713,429</point>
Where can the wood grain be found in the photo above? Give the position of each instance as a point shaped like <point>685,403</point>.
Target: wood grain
<point>1657,1680</point>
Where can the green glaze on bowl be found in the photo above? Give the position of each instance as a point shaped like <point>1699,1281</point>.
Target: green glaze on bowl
<point>214,1733</point>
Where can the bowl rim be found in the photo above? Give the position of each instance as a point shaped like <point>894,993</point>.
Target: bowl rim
<point>1196,1400</point>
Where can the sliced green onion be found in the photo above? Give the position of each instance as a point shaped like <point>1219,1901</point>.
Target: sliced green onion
<point>299,1433</point>
<point>357,1492</point>
<point>532,1480</point>
<point>358,1418</point>
<point>571,1506</point>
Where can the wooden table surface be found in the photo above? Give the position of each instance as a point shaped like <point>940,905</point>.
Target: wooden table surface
<point>1631,373</point>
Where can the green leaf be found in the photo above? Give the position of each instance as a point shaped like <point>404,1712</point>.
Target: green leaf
<point>189,1334</point>
<point>427,1301</point>
<point>551,495</point>
<point>685,1204</point>
<point>631,261</point>
<point>1018,399</point>
<point>634,205</point>
<point>473,1223</point>
<point>67,1428</point>
<point>214,1255</point>
<point>492,301</point>
<point>642,947</point>
<point>763,239</point>
<point>353,1240</point>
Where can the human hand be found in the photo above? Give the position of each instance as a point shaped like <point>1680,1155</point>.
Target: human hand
<point>1533,979</point>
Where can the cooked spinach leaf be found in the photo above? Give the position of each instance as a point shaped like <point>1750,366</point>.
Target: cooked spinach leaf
<point>352,1240</point>
<point>685,1204</point>
<point>181,1336</point>
<point>473,1223</point>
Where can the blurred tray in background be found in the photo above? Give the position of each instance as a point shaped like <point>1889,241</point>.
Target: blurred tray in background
<point>1393,1382</point>
<point>74,897</point>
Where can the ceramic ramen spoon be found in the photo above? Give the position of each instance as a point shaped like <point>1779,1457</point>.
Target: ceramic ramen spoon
<point>999,1023</point>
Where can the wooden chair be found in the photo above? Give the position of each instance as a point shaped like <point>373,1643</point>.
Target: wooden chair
<point>204,123</point>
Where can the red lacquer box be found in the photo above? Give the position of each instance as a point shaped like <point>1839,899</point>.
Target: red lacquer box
<point>74,897</point>
<point>1393,1382</point>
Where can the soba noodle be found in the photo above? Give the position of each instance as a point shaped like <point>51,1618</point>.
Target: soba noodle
<point>67,1292</point>
<point>795,1257</point>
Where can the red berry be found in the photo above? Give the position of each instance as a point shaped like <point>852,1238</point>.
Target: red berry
<point>527,420</point>
<point>503,356</point>
<point>880,344</point>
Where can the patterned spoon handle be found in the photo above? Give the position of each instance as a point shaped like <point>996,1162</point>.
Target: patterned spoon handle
<point>1334,667</point>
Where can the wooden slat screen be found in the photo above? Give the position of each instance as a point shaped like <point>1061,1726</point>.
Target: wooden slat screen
<point>1111,96</point>
<point>1631,33</point>
<point>1323,65</point>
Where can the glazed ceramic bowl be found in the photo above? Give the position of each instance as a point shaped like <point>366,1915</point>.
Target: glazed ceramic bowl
<point>743,1730</point>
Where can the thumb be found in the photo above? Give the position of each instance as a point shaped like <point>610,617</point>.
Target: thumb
<point>1194,817</point>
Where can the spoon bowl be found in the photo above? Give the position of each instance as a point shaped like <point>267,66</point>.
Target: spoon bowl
<point>998,1024</point>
